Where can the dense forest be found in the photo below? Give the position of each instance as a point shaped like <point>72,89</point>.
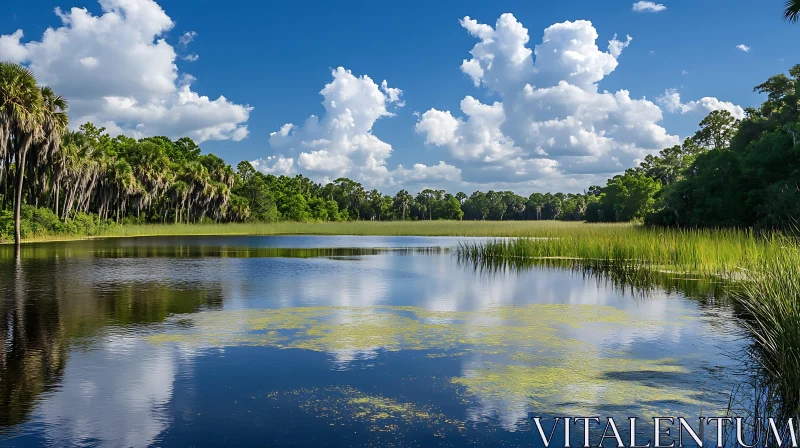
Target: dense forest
<point>730,173</point>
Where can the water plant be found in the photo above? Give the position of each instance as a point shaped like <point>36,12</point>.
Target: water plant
<point>769,299</point>
<point>703,252</point>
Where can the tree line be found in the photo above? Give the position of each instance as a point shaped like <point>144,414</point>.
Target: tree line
<point>730,173</point>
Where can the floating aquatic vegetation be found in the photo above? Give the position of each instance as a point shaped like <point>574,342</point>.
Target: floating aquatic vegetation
<point>393,328</point>
<point>527,355</point>
<point>581,382</point>
<point>345,405</point>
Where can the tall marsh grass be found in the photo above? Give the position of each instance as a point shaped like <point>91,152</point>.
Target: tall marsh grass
<point>696,252</point>
<point>769,300</point>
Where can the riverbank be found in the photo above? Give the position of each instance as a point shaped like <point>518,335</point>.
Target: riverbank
<point>700,251</point>
<point>372,228</point>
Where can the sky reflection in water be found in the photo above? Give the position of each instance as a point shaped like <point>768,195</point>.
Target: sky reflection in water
<point>211,340</point>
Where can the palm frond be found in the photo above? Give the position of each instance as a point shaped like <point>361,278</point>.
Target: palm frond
<point>791,12</point>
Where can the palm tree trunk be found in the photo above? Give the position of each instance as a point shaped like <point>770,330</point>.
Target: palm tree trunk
<point>5,178</point>
<point>58,190</point>
<point>18,199</point>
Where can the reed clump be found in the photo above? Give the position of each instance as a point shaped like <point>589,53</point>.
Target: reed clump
<point>769,299</point>
<point>694,251</point>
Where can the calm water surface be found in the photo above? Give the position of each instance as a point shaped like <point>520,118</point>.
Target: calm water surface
<point>313,341</point>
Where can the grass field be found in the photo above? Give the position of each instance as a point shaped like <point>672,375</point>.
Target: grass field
<point>417,228</point>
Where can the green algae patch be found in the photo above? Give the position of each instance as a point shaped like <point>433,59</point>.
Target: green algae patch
<point>328,329</point>
<point>582,382</point>
<point>547,356</point>
<point>343,406</point>
<point>375,408</point>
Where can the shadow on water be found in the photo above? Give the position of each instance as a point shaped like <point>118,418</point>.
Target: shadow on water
<point>35,251</point>
<point>635,279</point>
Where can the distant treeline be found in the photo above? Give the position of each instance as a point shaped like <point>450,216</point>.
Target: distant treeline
<point>730,173</point>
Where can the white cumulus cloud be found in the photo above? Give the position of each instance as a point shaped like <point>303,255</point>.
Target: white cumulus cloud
<point>118,71</point>
<point>187,37</point>
<point>743,47</point>
<point>552,126</point>
<point>341,143</point>
<point>645,6</point>
<point>277,165</point>
<point>671,100</point>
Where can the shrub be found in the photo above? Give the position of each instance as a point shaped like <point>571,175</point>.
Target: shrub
<point>39,222</point>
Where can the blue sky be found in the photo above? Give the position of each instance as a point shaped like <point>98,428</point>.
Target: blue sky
<point>276,57</point>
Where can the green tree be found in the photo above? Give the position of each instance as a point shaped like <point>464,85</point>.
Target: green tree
<point>295,208</point>
<point>476,207</point>
<point>401,203</point>
<point>21,120</point>
<point>716,130</point>
<point>451,208</point>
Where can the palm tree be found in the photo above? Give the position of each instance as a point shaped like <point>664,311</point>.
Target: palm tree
<point>46,151</point>
<point>401,201</point>
<point>21,119</point>
<point>792,11</point>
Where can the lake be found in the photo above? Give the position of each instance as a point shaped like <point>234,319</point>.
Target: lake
<point>336,341</point>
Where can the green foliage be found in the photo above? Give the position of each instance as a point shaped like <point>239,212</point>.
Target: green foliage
<point>697,252</point>
<point>295,208</point>
<point>44,223</point>
<point>716,130</point>
<point>731,173</point>
<point>769,297</point>
<point>631,196</point>
<point>792,10</point>
<point>751,175</point>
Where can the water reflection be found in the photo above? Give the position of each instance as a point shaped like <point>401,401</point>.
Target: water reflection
<point>137,342</point>
<point>114,395</point>
<point>49,304</point>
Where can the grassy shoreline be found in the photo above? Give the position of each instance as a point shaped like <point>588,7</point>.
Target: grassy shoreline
<point>697,251</point>
<point>378,228</point>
